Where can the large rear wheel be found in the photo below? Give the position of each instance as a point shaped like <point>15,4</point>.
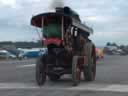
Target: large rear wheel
<point>89,69</point>
<point>40,71</point>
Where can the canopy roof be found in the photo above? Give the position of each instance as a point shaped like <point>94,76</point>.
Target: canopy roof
<point>37,20</point>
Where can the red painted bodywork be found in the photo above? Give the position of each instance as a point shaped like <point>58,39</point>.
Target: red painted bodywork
<point>55,41</point>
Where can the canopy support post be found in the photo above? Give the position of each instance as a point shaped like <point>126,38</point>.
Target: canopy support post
<point>62,28</point>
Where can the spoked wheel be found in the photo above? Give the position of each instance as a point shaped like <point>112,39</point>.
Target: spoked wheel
<point>40,71</point>
<point>76,72</point>
<point>90,68</point>
<point>54,77</point>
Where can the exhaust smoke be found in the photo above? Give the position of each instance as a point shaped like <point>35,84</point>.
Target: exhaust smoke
<point>57,3</point>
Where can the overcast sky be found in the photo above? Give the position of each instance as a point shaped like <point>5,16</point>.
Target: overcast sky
<point>109,18</point>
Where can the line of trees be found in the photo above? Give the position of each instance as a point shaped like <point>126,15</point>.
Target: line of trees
<point>115,44</point>
<point>111,44</point>
<point>21,44</point>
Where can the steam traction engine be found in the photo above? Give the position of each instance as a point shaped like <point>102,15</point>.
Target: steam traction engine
<point>69,49</point>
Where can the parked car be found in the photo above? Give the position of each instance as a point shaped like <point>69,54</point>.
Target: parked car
<point>32,53</point>
<point>6,55</point>
<point>114,50</point>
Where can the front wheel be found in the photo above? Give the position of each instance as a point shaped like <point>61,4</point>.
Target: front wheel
<point>76,72</point>
<point>40,71</point>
